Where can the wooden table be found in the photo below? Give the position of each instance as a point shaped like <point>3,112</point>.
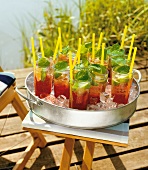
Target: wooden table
<point>14,140</point>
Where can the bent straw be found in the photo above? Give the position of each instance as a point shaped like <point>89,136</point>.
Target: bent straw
<point>100,40</point>
<point>93,46</point>
<point>131,46</point>
<point>33,52</point>
<point>123,37</point>
<point>132,62</point>
<point>102,56</point>
<point>41,46</point>
<point>71,76</point>
<point>56,49</point>
<point>59,31</point>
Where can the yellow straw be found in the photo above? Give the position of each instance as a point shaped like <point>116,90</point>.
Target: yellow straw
<point>33,52</point>
<point>100,40</point>
<point>76,57</point>
<point>41,46</point>
<point>79,49</point>
<point>70,65</point>
<point>123,38</point>
<point>56,49</point>
<point>132,62</point>
<point>131,46</point>
<point>93,46</point>
<point>102,56</point>
<point>71,76</point>
<point>59,31</point>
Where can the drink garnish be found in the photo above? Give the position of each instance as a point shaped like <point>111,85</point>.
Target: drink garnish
<point>118,60</point>
<point>81,85</point>
<point>83,75</point>
<point>124,77</point>
<point>115,50</point>
<point>61,65</point>
<point>98,54</point>
<point>122,69</point>
<point>48,52</point>
<point>43,62</point>
<point>97,68</point>
<point>65,50</point>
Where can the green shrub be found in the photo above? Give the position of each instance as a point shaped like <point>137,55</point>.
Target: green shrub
<point>96,16</point>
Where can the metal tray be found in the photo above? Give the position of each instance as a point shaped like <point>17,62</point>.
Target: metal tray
<point>84,119</point>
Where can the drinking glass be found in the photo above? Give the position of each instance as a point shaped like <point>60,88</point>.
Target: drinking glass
<point>43,78</point>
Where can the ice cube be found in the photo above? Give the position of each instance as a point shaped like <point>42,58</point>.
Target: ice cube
<point>108,90</point>
<point>62,101</point>
<point>50,99</point>
<point>103,97</point>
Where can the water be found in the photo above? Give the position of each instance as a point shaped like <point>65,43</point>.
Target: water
<point>12,15</point>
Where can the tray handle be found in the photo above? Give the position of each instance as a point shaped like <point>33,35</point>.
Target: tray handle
<point>139,75</point>
<point>36,102</point>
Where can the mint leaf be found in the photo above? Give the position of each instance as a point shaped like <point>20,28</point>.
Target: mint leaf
<point>48,52</point>
<point>65,49</point>
<point>85,48</point>
<point>57,74</point>
<point>97,68</point>
<point>82,85</point>
<point>43,62</point>
<point>88,44</point>
<point>83,75</point>
<point>115,50</point>
<point>98,54</point>
<point>118,61</point>
<point>61,65</point>
<point>122,69</point>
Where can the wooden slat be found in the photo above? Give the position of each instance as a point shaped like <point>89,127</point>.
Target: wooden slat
<point>142,102</point>
<point>51,155</point>
<point>55,151</point>
<point>22,140</point>
<point>133,160</point>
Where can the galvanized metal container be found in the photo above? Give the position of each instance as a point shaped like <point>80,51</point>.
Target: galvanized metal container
<point>84,119</point>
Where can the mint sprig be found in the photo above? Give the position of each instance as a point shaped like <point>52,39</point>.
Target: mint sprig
<point>122,69</point>
<point>115,50</point>
<point>61,65</point>
<point>43,62</point>
<point>97,68</point>
<point>83,75</point>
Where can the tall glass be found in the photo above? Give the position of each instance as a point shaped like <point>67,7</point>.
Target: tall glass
<point>61,83</point>
<point>98,85</point>
<point>43,78</point>
<point>121,84</point>
<point>80,95</point>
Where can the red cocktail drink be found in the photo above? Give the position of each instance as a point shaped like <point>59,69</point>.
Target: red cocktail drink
<point>99,82</point>
<point>121,84</point>
<point>61,79</point>
<point>61,86</point>
<point>42,82</point>
<point>94,95</point>
<point>80,99</point>
<point>80,95</point>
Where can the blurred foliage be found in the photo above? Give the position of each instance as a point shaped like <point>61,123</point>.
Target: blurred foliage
<point>95,16</point>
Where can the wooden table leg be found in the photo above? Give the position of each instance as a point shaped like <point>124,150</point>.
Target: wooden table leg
<point>22,112</point>
<point>20,164</point>
<point>67,154</point>
<point>88,155</point>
